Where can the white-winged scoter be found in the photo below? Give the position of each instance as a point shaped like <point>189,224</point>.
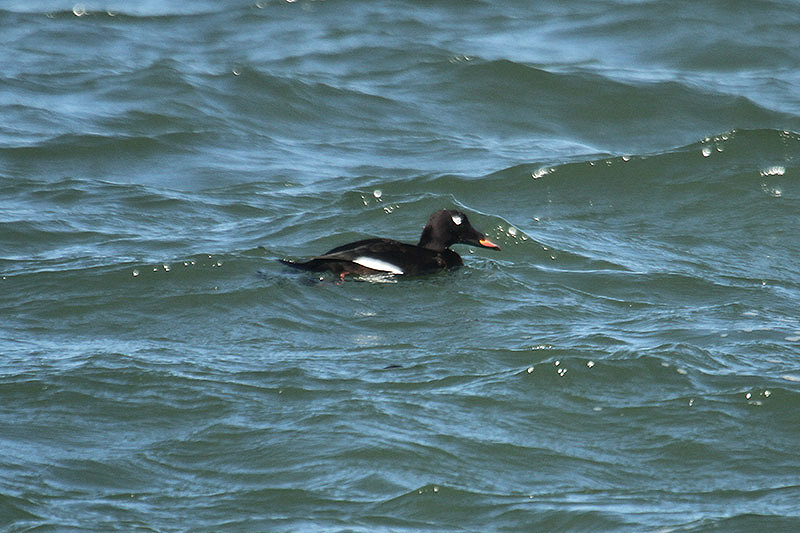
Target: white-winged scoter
<point>387,256</point>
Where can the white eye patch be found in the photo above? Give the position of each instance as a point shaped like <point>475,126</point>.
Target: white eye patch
<point>457,220</point>
<point>377,264</point>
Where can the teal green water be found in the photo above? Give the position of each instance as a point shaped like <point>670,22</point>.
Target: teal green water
<point>630,361</point>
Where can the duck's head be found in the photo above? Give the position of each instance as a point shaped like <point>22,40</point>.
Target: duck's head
<point>447,227</point>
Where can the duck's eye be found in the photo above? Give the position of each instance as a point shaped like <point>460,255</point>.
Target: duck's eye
<point>457,220</point>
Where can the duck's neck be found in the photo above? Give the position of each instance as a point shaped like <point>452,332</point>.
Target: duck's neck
<point>427,240</point>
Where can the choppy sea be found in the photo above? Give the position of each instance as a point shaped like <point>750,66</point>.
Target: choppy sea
<point>630,361</point>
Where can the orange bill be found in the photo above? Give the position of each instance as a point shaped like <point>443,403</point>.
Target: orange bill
<point>486,243</point>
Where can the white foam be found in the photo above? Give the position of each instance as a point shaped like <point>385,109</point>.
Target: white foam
<point>377,264</point>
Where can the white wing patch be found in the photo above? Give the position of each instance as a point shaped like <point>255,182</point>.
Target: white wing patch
<point>457,220</point>
<point>377,264</point>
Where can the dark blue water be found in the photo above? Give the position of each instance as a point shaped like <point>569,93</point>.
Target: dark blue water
<point>630,361</point>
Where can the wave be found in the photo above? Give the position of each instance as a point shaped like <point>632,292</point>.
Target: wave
<point>111,11</point>
<point>611,115</point>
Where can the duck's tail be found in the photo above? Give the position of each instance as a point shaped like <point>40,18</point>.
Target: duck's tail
<point>293,264</point>
<point>310,266</point>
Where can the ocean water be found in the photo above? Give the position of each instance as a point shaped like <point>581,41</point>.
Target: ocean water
<point>630,361</point>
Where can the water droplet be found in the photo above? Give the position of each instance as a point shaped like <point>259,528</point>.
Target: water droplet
<point>776,170</point>
<point>544,171</point>
<point>377,193</point>
<point>590,364</point>
<point>135,272</point>
<point>706,151</point>
<point>79,10</point>
<point>459,59</point>
<point>530,369</point>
